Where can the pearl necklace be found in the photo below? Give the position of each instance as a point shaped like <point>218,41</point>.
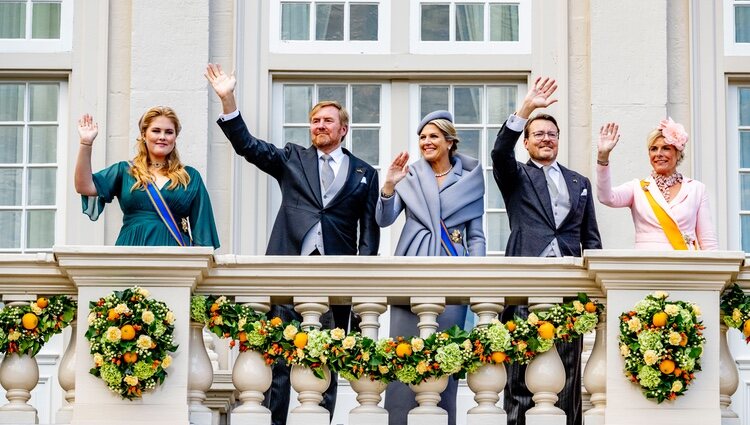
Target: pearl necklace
<point>665,182</point>
<point>444,173</point>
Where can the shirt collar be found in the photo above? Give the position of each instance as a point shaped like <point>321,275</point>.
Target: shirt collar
<point>337,155</point>
<point>554,165</point>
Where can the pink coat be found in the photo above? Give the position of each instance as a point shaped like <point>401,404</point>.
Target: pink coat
<point>689,209</point>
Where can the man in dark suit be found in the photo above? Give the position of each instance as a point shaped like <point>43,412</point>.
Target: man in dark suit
<point>551,214</point>
<point>327,196</point>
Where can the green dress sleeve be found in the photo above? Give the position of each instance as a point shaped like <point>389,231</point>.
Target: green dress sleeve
<point>108,183</point>
<point>202,224</point>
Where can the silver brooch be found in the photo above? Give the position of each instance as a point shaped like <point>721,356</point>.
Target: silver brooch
<point>456,236</point>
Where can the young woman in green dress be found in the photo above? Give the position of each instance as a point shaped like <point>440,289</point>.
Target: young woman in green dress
<point>157,163</point>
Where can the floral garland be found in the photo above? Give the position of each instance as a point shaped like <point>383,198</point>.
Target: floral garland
<point>661,342</point>
<point>735,310</point>
<point>131,337</point>
<point>440,354</point>
<point>25,329</point>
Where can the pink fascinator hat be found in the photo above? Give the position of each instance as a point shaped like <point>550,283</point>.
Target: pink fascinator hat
<point>674,133</point>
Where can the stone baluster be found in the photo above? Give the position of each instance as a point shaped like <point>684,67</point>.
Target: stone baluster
<point>489,380</point>
<point>428,392</point>
<point>66,376</point>
<point>251,376</point>
<point>200,378</point>
<point>309,387</point>
<point>729,378</point>
<point>545,377</point>
<point>595,375</point>
<point>19,374</point>
<point>368,391</point>
<point>210,344</point>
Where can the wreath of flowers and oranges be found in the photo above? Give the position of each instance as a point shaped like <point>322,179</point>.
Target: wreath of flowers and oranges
<point>131,337</point>
<point>735,310</point>
<point>25,329</point>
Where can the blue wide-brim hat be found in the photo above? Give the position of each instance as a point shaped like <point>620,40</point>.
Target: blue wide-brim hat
<point>434,115</point>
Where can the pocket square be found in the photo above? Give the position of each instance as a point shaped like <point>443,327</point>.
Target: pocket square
<point>584,192</point>
<point>364,180</point>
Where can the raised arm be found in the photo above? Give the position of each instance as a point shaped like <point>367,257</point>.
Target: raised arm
<point>223,86</point>
<point>83,179</point>
<point>539,96</point>
<point>621,196</point>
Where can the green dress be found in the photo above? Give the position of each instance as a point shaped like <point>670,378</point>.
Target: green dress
<point>141,225</point>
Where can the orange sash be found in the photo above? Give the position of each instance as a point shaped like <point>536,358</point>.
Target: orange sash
<point>673,232</point>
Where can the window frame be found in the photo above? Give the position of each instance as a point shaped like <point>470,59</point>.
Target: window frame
<point>30,45</point>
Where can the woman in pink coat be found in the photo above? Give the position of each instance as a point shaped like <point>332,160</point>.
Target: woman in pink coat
<point>670,211</point>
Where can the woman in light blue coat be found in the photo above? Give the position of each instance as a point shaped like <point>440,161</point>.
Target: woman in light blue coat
<point>441,186</point>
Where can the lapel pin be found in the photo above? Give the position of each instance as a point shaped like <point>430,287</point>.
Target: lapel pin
<point>360,170</point>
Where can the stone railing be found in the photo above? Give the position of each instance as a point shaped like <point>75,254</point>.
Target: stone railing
<point>370,284</point>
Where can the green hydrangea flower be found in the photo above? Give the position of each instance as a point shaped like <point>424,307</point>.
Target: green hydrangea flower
<point>649,377</point>
<point>198,309</point>
<point>381,346</point>
<point>687,363</point>
<point>645,306</point>
<point>499,337</point>
<point>649,340</point>
<point>143,370</point>
<point>449,358</point>
<point>316,341</point>
<point>686,316</point>
<point>110,374</point>
<point>254,337</point>
<point>731,323</point>
<point>407,374</point>
<point>585,323</point>
<point>545,344</point>
<point>159,329</point>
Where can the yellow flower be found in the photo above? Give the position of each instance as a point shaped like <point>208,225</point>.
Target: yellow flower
<point>661,294</point>
<point>383,369</point>
<point>624,350</point>
<point>242,322</point>
<point>366,356</point>
<point>147,317</point>
<point>348,343</point>
<point>443,336</point>
<point>672,309</point>
<point>144,292</point>
<point>521,346</point>
<point>289,332</point>
<point>13,336</point>
<point>697,310</point>
<point>166,361</point>
<point>533,319</point>
<point>634,324</point>
<point>736,315</point>
<point>674,338</point>
<point>323,359</point>
<point>422,367</point>
<point>467,345</point>
<point>417,344</point>
<point>113,334</point>
<point>98,360</point>
<point>338,334</point>
<point>300,353</point>
<point>35,308</point>
<point>131,380</point>
<point>144,342</point>
<point>578,306</point>
<point>121,309</point>
<point>650,357</point>
<point>676,386</point>
<point>169,318</point>
<point>218,320</point>
<point>92,317</point>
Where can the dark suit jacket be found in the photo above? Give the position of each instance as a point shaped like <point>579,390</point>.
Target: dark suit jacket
<point>532,225</point>
<point>296,170</point>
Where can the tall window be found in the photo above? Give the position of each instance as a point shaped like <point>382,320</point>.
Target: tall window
<point>29,134</point>
<point>363,101</point>
<point>478,112</point>
<point>35,25</point>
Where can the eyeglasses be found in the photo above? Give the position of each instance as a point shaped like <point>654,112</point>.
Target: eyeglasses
<point>539,135</point>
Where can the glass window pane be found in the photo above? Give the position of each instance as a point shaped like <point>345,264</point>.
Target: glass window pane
<point>11,144</point>
<point>745,191</point>
<point>10,229</point>
<point>498,231</point>
<point>363,22</point>
<point>11,102</point>
<point>433,98</point>
<point>332,92</point>
<point>10,186</point>
<point>501,103</point>
<point>742,23</point>
<point>491,136</point>
<point>435,22</point>
<point>745,224</point>
<point>45,20</point>
<point>297,103</point>
<point>43,102</point>
<point>469,22</point>
<point>469,141</point>
<point>366,144</point>
<point>295,21</point>
<point>12,19</point>
<point>494,197</point>
<point>744,95</point>
<point>41,186</point>
<point>329,21</point>
<point>40,227</point>
<point>744,149</point>
<point>366,104</point>
<point>42,144</point>
<point>300,136</point>
<point>503,22</point>
<point>467,105</point>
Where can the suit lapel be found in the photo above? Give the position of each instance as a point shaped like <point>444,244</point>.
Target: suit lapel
<point>354,175</point>
<point>310,167</point>
<point>574,190</point>
<point>536,175</point>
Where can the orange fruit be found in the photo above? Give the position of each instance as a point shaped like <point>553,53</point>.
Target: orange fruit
<point>29,321</point>
<point>677,371</point>
<point>546,330</point>
<point>746,328</point>
<point>276,321</point>
<point>403,349</point>
<point>130,357</point>
<point>510,325</point>
<point>300,340</point>
<point>498,357</point>
<point>242,336</point>
<point>684,340</point>
<point>590,307</point>
<point>659,319</point>
<point>112,315</point>
<point>42,302</point>
<point>127,332</point>
<point>666,366</point>
<point>214,307</point>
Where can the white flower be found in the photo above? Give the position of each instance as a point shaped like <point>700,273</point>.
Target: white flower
<point>131,380</point>
<point>624,350</point>
<point>661,294</point>
<point>113,334</point>
<point>533,319</point>
<point>323,358</point>
<point>166,361</point>
<point>147,317</point>
<point>672,309</point>
<point>422,367</point>
<point>417,344</point>
<point>121,309</point>
<point>467,345</point>
<point>169,318</point>
<point>348,343</point>
<point>221,300</point>
<point>634,324</point>
<point>35,309</point>
<point>144,342</point>
<point>92,317</point>
<point>676,386</point>
<point>144,292</point>
<point>697,310</point>
<point>338,334</point>
<point>578,306</point>
<point>300,353</point>
<point>366,356</point>
<point>674,338</point>
<point>650,357</point>
<point>98,359</point>
<point>289,332</point>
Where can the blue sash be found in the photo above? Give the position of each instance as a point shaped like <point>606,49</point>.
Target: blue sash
<point>446,241</point>
<point>166,215</point>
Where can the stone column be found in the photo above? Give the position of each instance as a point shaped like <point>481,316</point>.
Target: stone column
<point>368,391</point>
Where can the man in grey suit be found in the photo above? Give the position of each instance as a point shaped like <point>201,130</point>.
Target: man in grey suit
<point>551,214</point>
<point>328,199</point>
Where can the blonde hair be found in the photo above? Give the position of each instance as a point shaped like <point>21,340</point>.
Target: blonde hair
<point>176,172</point>
<point>449,132</point>
<point>654,136</point>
